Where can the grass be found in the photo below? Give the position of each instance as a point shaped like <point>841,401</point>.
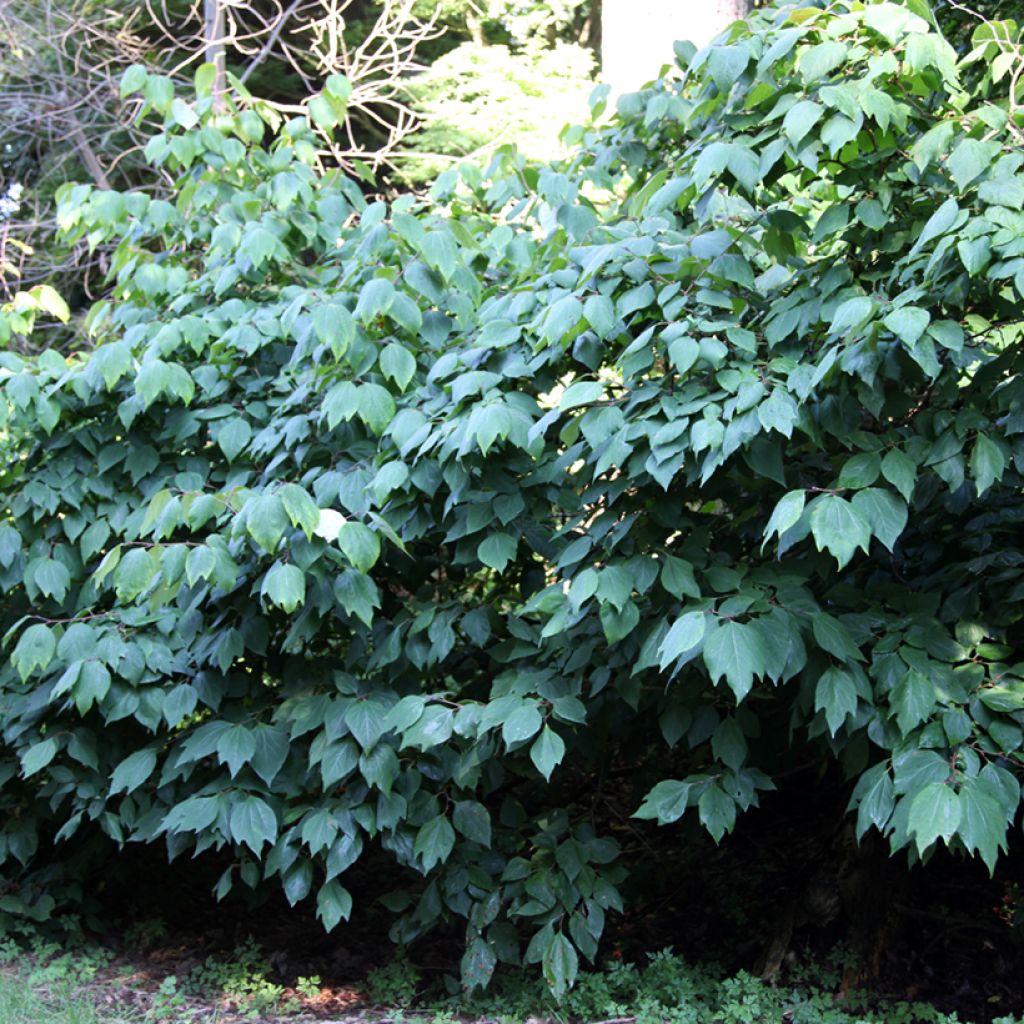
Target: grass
<point>20,1003</point>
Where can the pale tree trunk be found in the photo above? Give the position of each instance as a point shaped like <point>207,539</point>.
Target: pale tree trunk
<point>637,35</point>
<point>213,39</point>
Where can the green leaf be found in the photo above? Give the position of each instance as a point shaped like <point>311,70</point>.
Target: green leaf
<point>253,823</point>
<point>686,633</point>
<point>36,757</point>
<point>338,762</point>
<point>266,520</point>
<point>375,299</point>
<point>970,160</point>
<point>728,744</point>
<point>884,513</point>
<point>333,905</point>
<point>726,64</point>
<point>816,62</point>
<point>901,471</point>
<point>852,315</point>
<point>134,573</point>
<point>735,651</point>
<point>836,695</point>
<point>913,699</point>
<point>366,720</point>
<point>434,842</point>
<point>271,751</point>
<point>908,323</point>
<point>875,799</point>
<point>832,636</point>
<point>676,577</point>
<point>667,801</point>
<point>319,830</point>
<point>472,820</point>
<point>547,752</point>
<point>478,963</point>
<point>133,771</point>
<point>717,811</point>
<point>988,463</point>
<point>562,319</point>
<point>360,545</point>
<point>376,407</point>
<point>582,392</point>
<point>285,586</point>
<point>184,114</point>
<point>600,314</point>
<point>36,648</point>
<point>521,724</point>
<point>234,437</point>
<point>497,550</point>
<point>838,528</point>
<point>236,747</point>
<point>786,514</point>
<point>301,509</point>
<point>560,965</point>
<point>397,363</point>
<point>935,813</point>
<point>982,824</point>
<point>800,119</point>
<point>133,78</point>
<point>860,470</point>
<point>51,578</point>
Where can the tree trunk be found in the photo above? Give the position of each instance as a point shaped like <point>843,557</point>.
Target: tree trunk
<point>637,35</point>
<point>213,40</point>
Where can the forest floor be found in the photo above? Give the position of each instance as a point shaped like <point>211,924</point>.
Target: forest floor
<point>789,921</point>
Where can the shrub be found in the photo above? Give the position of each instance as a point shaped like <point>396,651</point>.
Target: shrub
<point>377,525</point>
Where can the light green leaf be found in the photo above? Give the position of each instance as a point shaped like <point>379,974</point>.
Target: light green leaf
<point>560,965</point>
<point>988,463</point>
<point>397,363</point>
<point>735,651</point>
<point>800,119</point>
<point>547,752</point>
<point>884,512</point>
<point>686,633</point>
<point>360,545</point>
<point>838,528</point>
<point>836,695</point>
<point>36,648</point>
<point>253,823</point>
<point>233,437</point>
<point>497,550</point>
<point>901,471</point>
<point>133,771</point>
<point>285,586</point>
<point>582,392</point>
<point>521,724</point>
<point>913,700</point>
<point>36,757</point>
<point>787,513</point>
<point>935,813</point>
<point>434,842</point>
<point>908,323</point>
<point>333,904</point>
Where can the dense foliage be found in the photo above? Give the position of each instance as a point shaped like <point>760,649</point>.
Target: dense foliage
<point>372,524</point>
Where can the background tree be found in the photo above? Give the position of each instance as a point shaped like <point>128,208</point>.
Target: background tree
<point>637,35</point>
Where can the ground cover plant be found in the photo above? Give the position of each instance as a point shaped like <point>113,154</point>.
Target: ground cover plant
<point>83,984</point>
<point>405,527</point>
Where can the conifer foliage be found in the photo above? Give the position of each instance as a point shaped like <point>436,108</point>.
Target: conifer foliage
<point>365,524</point>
